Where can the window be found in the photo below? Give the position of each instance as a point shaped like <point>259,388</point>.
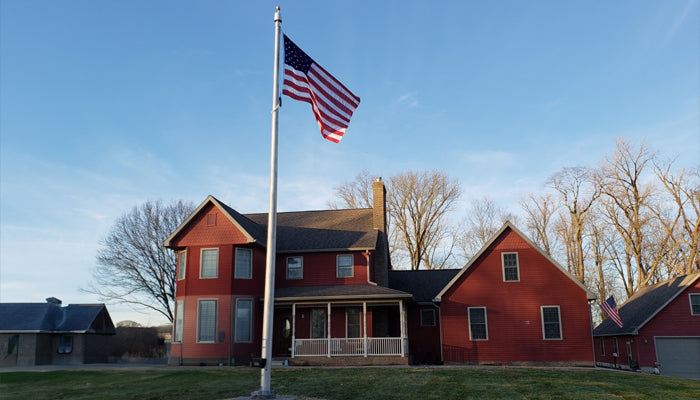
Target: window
<point>12,345</point>
<point>345,267</point>
<point>182,261</point>
<point>179,312</point>
<point>209,267</point>
<point>206,321</point>
<point>477,323</point>
<point>629,353</point>
<point>244,264</point>
<point>427,317</point>
<point>244,320</point>
<point>65,344</point>
<point>295,267</point>
<point>352,316</point>
<point>318,323</point>
<point>551,325</point>
<point>616,351</point>
<point>510,267</point>
<point>695,304</point>
<point>602,346</point>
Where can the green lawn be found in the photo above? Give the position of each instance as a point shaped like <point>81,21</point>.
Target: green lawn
<point>442,383</point>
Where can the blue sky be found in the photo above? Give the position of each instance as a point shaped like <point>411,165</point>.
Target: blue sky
<point>106,104</point>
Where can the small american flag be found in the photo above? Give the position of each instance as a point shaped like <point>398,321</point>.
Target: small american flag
<point>304,80</point>
<point>610,308</point>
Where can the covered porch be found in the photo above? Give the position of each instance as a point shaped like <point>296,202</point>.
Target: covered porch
<point>316,324</point>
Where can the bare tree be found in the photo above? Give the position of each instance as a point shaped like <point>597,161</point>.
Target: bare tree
<point>356,193</point>
<point>539,210</point>
<point>578,192</point>
<point>630,208</point>
<point>483,219</point>
<point>419,204</point>
<point>132,265</point>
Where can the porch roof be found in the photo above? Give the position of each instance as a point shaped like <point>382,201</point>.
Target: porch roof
<point>338,292</point>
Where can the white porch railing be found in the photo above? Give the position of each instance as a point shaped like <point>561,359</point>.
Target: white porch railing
<point>348,347</point>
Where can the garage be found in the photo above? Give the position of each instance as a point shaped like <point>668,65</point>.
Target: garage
<point>679,356</point>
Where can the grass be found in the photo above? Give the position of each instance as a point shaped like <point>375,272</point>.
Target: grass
<point>346,383</point>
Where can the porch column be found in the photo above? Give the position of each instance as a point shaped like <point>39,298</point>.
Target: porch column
<point>364,325</point>
<point>329,329</point>
<point>402,313</point>
<point>294,327</point>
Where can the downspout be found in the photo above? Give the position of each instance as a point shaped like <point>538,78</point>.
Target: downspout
<point>439,322</point>
<point>369,281</point>
<point>590,319</point>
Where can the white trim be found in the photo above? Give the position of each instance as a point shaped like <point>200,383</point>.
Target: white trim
<point>181,265</point>
<point>486,323</point>
<point>352,266</point>
<point>201,258</point>
<point>507,224</point>
<point>216,319</point>
<point>561,334</point>
<point>301,259</point>
<point>503,265</point>
<point>235,321</point>
<point>690,299</point>
<point>235,263</point>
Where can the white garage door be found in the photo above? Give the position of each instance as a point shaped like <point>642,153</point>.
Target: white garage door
<point>679,356</point>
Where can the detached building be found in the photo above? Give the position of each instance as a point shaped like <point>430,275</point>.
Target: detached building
<point>49,333</point>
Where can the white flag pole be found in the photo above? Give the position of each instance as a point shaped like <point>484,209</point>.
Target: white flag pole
<point>269,305</point>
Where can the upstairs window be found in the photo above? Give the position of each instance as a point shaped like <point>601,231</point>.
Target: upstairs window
<point>295,267</point>
<point>695,304</point>
<point>478,329</point>
<point>551,322</point>
<point>182,264</point>
<point>344,266</point>
<point>244,264</point>
<point>427,317</point>
<point>510,267</point>
<point>209,267</point>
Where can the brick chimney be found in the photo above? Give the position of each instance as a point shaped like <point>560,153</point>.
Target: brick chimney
<point>382,262</point>
<point>379,205</point>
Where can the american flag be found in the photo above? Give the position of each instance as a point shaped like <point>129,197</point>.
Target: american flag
<point>610,308</point>
<point>304,80</point>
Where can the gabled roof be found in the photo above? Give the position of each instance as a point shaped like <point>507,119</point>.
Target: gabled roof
<point>423,284</point>
<point>338,292</point>
<point>644,305</point>
<point>507,225</point>
<point>303,231</point>
<point>53,318</point>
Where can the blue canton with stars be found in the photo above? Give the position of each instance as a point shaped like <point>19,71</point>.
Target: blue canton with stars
<point>295,57</point>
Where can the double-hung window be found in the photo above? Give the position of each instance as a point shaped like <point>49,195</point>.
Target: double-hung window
<point>695,304</point>
<point>318,323</point>
<point>551,322</point>
<point>478,328</point>
<point>295,268</point>
<point>244,320</point>
<point>510,267</point>
<point>179,319</point>
<point>209,267</point>
<point>344,267</point>
<point>206,321</point>
<point>427,317</point>
<point>244,264</point>
<point>65,344</point>
<point>352,315</point>
<point>182,263</point>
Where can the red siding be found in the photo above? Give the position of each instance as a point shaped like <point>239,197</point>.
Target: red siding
<point>320,269</point>
<point>514,310</point>
<point>424,341</point>
<point>673,320</point>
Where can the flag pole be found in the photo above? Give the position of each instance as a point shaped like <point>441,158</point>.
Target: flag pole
<point>269,303</point>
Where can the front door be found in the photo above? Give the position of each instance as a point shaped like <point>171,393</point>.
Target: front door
<point>282,338</point>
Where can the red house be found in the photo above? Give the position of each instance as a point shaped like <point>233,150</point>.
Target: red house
<point>660,330</point>
<point>514,304</point>
<point>332,301</point>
